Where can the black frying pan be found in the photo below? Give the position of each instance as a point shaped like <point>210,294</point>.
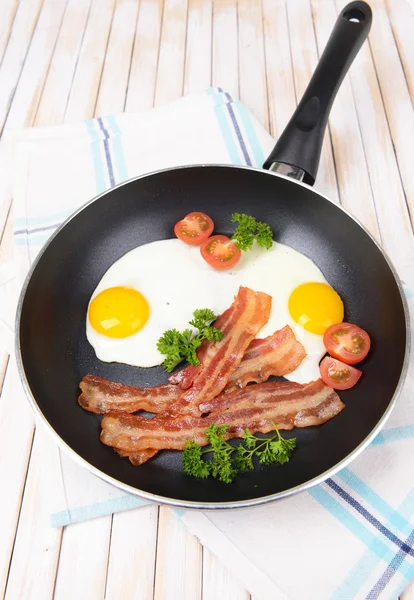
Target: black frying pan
<point>53,352</point>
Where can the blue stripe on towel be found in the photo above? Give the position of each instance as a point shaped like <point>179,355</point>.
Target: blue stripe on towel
<point>391,569</point>
<point>236,127</point>
<point>394,434</point>
<point>96,157</point>
<point>395,518</point>
<point>36,229</point>
<point>107,152</point>
<point>351,522</point>
<point>22,222</point>
<point>116,142</point>
<point>369,517</point>
<point>222,118</point>
<point>98,509</point>
<point>249,129</point>
<point>369,561</point>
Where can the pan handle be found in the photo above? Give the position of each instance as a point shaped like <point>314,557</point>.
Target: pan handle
<point>298,150</point>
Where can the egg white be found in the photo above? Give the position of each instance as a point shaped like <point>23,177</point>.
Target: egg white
<point>175,280</point>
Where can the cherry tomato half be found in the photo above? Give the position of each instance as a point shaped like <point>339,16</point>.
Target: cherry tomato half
<point>337,374</point>
<point>194,228</point>
<point>347,342</point>
<point>220,252</point>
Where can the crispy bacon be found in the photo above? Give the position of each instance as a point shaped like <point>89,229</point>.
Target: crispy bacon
<point>246,316</point>
<point>258,408</point>
<point>137,458</point>
<point>278,354</point>
<point>100,396</point>
<point>239,323</point>
<point>185,377</point>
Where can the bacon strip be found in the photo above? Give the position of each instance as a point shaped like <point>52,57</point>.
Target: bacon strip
<point>240,323</point>
<point>258,408</point>
<point>100,396</point>
<point>246,316</point>
<point>137,458</point>
<point>185,377</point>
<point>278,354</point>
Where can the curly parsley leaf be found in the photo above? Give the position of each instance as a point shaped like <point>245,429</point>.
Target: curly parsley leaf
<point>264,235</point>
<point>248,230</point>
<point>202,317</point>
<point>178,346</point>
<point>223,466</point>
<point>170,344</point>
<point>193,464</point>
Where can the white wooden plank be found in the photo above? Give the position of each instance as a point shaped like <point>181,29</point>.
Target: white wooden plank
<point>280,84</point>
<point>89,542</point>
<point>143,75</point>
<point>170,75</point>
<point>16,429</point>
<point>394,85</point>
<point>179,560</point>
<point>305,58</point>
<point>34,526</point>
<point>63,64</point>
<point>83,560</point>
<point>198,48</point>
<point>218,582</point>
<point>225,64</point>
<point>14,56</point>
<point>8,12</point>
<point>82,100</point>
<point>396,232</point>
<point>401,15</point>
<point>350,163</point>
<point>36,532</point>
<point>29,90</point>
<point>36,549</point>
<point>134,578</point>
<point>134,535</point>
<point>111,96</point>
<point>252,69</point>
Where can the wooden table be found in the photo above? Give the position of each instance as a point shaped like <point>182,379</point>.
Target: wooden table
<point>68,60</point>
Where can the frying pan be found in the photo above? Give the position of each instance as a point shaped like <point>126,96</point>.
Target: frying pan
<point>53,353</point>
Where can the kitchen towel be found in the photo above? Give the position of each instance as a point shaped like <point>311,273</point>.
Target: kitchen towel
<point>351,537</point>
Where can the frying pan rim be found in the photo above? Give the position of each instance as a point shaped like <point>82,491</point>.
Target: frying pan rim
<point>190,504</point>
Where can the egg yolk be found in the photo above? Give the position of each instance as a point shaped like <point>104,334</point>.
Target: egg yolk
<point>316,306</point>
<point>118,312</point>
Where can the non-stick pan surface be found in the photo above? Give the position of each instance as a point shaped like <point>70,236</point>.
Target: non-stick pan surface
<point>55,354</point>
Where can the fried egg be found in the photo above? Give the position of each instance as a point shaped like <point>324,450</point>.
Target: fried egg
<point>157,286</point>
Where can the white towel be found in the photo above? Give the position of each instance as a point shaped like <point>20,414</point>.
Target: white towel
<point>351,537</point>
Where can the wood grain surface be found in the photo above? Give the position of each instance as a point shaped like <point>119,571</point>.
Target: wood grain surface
<point>69,60</point>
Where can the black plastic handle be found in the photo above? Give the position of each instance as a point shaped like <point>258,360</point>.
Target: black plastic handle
<point>300,144</point>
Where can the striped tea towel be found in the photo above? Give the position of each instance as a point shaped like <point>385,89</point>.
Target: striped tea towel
<point>349,538</point>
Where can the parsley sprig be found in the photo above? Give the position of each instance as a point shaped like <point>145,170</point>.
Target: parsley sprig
<point>182,345</point>
<point>248,230</point>
<point>223,465</point>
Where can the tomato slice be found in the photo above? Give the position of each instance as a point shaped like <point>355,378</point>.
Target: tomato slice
<point>347,342</point>
<point>220,252</point>
<point>194,228</point>
<point>337,374</point>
